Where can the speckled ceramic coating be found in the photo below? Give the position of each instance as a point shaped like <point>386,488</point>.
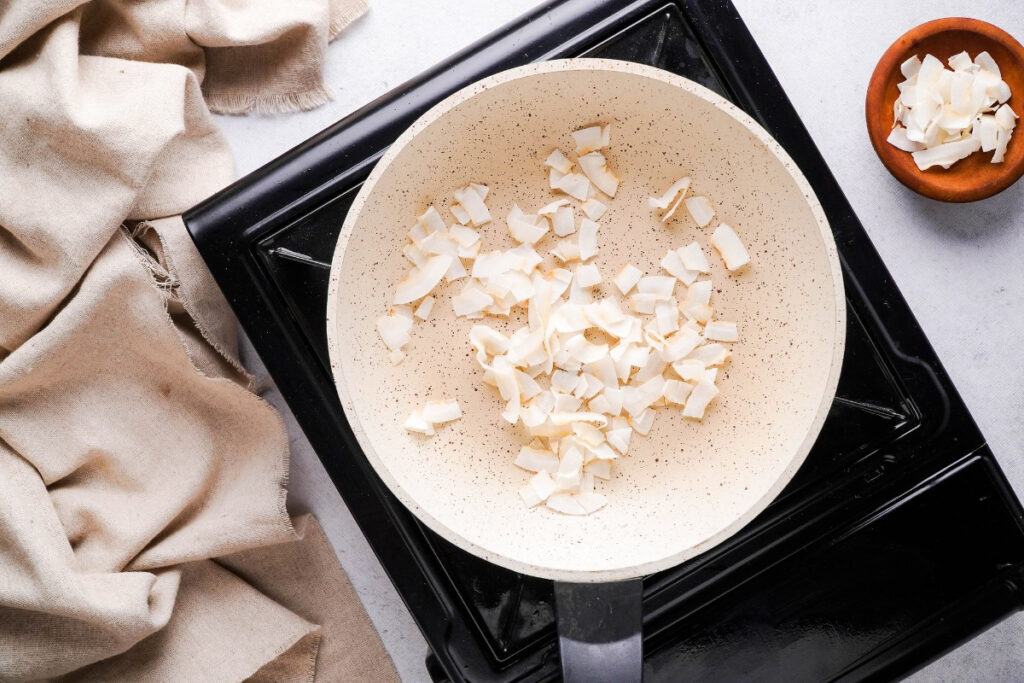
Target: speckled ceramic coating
<point>686,486</point>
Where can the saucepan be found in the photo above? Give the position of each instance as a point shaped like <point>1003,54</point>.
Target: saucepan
<point>688,484</point>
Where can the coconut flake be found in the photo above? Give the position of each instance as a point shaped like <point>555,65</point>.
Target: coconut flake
<point>526,228</point>
<point>437,412</point>
<point>431,220</point>
<point>700,209</point>
<point>422,280</point>
<point>699,398</point>
<point>627,278</point>
<point>720,330</point>
<point>660,285</point>
<point>587,275</point>
<point>673,264</point>
<point>417,424</point>
<point>575,185</point>
<point>394,329</point>
<point>663,202</point>
<point>470,199</point>
<point>728,244</point>
<point>558,161</point>
<point>588,239</point>
<point>537,460</point>
<point>594,209</point>
<point>595,166</point>
<point>471,300</point>
<point>693,258</point>
<point>946,154</point>
<point>423,310</point>
<point>591,138</point>
<point>898,138</point>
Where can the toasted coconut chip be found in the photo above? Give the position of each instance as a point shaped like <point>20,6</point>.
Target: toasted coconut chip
<point>417,424</point>
<point>672,210</point>
<point>594,209</point>
<point>680,344</point>
<point>423,310</point>
<point>910,67</point>
<point>699,398</point>
<point>554,177</point>
<point>464,236</point>
<point>394,330</point>
<point>642,423</point>
<point>691,369</point>
<point>588,239</point>
<point>551,209</point>
<point>720,330</point>
<point>558,161</point>
<point>417,233</point>
<point>526,228</point>
<point>396,356</point>
<point>470,199</point>
<point>431,220</point>
<point>710,354</point>
<point>676,392</point>
<point>414,254</point>
<point>985,61</point>
<point>663,202</point>
<point>591,138</point>
<point>700,209</point>
<point>470,252</point>
<point>699,293</point>
<point>542,484</point>
<point>601,469</point>
<point>946,154</point>
<point>563,222</point>
<point>437,412</point>
<point>643,303</point>
<point>461,215</point>
<point>595,166</point>
<point>471,300</point>
<point>566,250</point>
<point>587,275</point>
<point>673,264</point>
<point>566,503</point>
<point>583,351</point>
<point>898,138</point>
<point>574,184</point>
<point>693,258</point>
<point>659,285</point>
<point>702,313</point>
<point>627,278</point>
<point>537,460</point>
<point>728,244</point>
<point>667,315</point>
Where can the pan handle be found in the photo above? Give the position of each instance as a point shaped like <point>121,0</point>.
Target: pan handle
<point>600,631</point>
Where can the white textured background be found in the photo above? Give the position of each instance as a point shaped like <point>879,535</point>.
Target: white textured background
<point>960,267</point>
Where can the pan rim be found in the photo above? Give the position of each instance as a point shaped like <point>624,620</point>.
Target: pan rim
<point>561,573</point>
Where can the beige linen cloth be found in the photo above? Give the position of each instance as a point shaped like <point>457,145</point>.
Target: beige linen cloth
<point>143,529</point>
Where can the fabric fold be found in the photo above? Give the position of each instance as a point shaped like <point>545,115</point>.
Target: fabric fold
<point>132,451</point>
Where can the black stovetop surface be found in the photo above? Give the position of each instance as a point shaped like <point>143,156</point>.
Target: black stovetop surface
<point>899,537</point>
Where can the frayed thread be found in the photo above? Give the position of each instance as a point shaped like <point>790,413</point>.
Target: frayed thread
<point>343,13</point>
<point>245,103</point>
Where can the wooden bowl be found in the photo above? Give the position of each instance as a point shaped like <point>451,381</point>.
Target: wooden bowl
<point>972,178</point>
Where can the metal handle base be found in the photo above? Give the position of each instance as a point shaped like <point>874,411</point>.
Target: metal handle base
<point>600,631</point>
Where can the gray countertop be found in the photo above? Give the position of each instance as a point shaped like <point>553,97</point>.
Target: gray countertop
<point>961,267</point>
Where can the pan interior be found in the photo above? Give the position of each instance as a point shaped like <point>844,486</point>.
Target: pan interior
<point>688,484</point>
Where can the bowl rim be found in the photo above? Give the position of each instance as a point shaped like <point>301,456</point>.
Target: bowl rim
<point>875,98</point>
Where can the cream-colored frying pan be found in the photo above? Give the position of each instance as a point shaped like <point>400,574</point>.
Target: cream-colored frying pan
<point>686,486</point>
